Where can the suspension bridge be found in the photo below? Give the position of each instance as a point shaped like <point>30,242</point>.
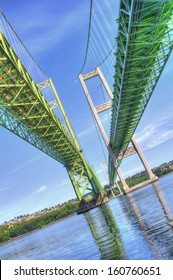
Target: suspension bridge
<point>128,70</point>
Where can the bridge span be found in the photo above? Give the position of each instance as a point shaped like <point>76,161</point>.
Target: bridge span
<point>143,45</point>
<point>144,42</point>
<point>25,112</point>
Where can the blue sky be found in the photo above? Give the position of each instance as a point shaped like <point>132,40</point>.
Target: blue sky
<point>55,33</point>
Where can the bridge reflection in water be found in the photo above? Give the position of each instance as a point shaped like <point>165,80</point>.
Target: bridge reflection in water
<point>136,226</point>
<point>104,229</point>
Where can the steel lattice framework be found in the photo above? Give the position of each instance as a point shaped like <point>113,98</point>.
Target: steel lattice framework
<point>144,44</point>
<point>25,112</point>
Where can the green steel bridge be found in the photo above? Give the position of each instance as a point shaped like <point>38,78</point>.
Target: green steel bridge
<point>144,44</point>
<point>25,112</point>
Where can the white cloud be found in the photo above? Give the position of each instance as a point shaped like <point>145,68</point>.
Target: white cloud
<point>51,27</point>
<point>63,183</point>
<point>92,128</point>
<point>156,133</point>
<point>40,190</point>
<point>88,131</point>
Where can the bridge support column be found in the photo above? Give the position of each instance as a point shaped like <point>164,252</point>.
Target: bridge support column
<point>135,148</point>
<point>142,158</point>
<point>101,128</point>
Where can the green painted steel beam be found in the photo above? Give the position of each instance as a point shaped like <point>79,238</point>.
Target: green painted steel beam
<point>25,112</point>
<point>144,44</point>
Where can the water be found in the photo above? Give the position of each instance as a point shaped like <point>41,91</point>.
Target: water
<point>137,226</point>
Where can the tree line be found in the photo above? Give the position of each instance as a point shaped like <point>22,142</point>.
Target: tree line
<point>12,230</point>
<point>142,176</point>
<point>9,231</point>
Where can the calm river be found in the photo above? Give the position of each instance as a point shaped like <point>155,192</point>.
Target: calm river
<point>137,226</point>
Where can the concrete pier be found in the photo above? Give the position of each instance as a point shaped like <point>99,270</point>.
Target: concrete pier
<point>141,185</point>
<point>86,206</point>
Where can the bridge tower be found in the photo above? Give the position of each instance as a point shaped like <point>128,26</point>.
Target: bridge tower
<point>134,148</point>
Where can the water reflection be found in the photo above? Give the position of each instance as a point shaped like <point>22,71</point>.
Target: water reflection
<point>163,203</point>
<point>143,226</point>
<point>134,203</point>
<point>105,232</point>
<point>137,226</point>
<point>154,218</point>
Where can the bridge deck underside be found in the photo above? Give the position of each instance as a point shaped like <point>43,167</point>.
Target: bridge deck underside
<point>25,112</point>
<point>144,44</point>
<point>21,99</point>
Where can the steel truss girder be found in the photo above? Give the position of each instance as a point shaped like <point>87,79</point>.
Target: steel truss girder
<point>144,44</point>
<point>25,112</point>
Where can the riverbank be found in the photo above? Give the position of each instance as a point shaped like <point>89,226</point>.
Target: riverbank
<point>37,229</point>
<point>20,228</point>
<point>143,218</point>
<point>16,229</point>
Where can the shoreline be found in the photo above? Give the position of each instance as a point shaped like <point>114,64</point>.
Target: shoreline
<point>53,222</point>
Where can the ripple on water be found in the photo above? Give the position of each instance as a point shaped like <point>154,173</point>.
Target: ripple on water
<point>135,226</point>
